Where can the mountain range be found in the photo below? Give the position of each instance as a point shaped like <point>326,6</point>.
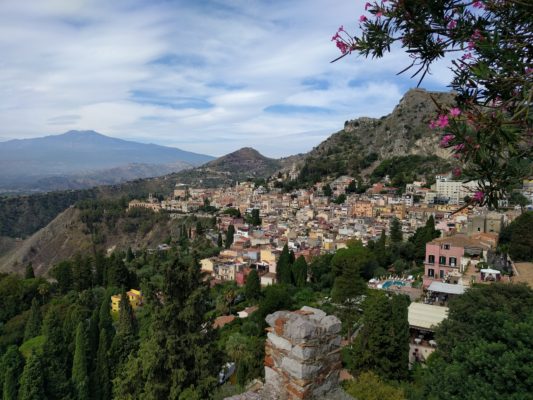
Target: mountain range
<point>81,159</point>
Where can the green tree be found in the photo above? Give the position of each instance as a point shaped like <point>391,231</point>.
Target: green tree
<point>382,344</point>
<point>33,324</point>
<point>518,199</point>
<point>11,366</point>
<point>230,233</point>
<point>129,255</point>
<point>29,274</point>
<point>283,266</point>
<point>517,238</point>
<point>103,374</point>
<point>219,240</point>
<point>252,290</point>
<point>299,272</point>
<point>327,190</point>
<point>105,322</point>
<point>32,381</point>
<point>340,199</point>
<point>352,187</point>
<point>347,265</point>
<point>423,236</point>
<point>255,219</point>
<point>62,272</point>
<point>80,375</point>
<point>55,359</point>
<point>396,235</point>
<point>484,346</point>
<point>369,386</point>
<point>125,340</point>
<point>178,352</point>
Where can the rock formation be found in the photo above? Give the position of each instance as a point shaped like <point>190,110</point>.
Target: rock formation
<point>302,357</point>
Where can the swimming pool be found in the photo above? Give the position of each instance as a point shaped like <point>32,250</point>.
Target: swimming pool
<point>388,284</point>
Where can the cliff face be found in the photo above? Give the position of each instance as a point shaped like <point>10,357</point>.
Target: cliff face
<point>359,147</point>
<point>405,130</point>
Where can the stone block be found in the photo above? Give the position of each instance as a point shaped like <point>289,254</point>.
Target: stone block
<point>303,352</point>
<point>279,325</point>
<point>271,318</point>
<point>279,342</point>
<point>331,324</point>
<point>300,328</point>
<point>299,370</point>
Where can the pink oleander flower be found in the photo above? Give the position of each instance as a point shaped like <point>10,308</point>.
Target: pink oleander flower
<point>457,172</point>
<point>446,139</point>
<point>478,196</point>
<point>335,37</point>
<point>459,147</point>
<point>466,56</point>
<point>442,121</point>
<point>379,14</point>
<point>367,5</point>
<point>478,4</point>
<point>341,29</point>
<point>455,112</point>
<point>477,35</point>
<point>471,45</point>
<point>432,124</point>
<point>343,47</point>
<point>362,18</point>
<point>452,24</point>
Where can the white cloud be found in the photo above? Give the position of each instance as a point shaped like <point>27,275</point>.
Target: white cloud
<point>197,75</point>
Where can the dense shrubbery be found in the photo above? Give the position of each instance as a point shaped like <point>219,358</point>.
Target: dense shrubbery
<point>517,238</point>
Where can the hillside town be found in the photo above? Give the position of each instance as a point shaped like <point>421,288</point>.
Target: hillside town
<point>313,222</point>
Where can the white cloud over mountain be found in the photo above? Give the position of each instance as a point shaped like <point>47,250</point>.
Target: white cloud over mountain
<point>207,76</point>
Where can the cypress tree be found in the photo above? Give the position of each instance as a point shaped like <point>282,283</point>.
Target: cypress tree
<point>129,255</point>
<point>33,325</point>
<point>229,236</point>
<point>125,340</point>
<point>283,267</point>
<point>55,358</point>
<point>299,272</point>
<point>179,351</point>
<point>105,321</point>
<point>103,375</point>
<point>80,377</point>
<point>29,274</point>
<point>252,290</point>
<point>396,235</point>
<point>11,366</point>
<point>219,240</point>
<point>32,380</point>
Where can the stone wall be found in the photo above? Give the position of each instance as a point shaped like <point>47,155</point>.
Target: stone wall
<point>302,354</point>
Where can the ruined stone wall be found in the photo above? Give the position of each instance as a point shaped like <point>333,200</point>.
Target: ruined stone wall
<point>302,354</point>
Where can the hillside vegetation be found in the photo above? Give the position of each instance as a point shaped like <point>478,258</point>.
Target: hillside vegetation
<point>365,142</point>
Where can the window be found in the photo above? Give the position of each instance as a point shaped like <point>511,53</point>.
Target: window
<point>453,261</point>
<point>442,260</point>
<point>431,272</point>
<point>431,259</point>
<point>446,247</point>
<point>441,273</point>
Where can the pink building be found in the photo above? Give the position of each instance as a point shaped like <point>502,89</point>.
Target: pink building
<point>449,256</point>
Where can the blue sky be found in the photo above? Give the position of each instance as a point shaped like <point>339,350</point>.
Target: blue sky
<point>209,76</point>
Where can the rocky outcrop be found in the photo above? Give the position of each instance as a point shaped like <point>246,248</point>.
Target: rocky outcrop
<point>302,357</point>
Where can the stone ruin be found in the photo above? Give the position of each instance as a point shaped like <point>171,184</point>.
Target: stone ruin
<point>302,357</point>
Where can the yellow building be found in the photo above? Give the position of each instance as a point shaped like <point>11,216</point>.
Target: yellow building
<point>135,297</point>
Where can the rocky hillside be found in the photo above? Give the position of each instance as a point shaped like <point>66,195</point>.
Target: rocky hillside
<point>67,235</point>
<point>244,163</point>
<point>365,142</point>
